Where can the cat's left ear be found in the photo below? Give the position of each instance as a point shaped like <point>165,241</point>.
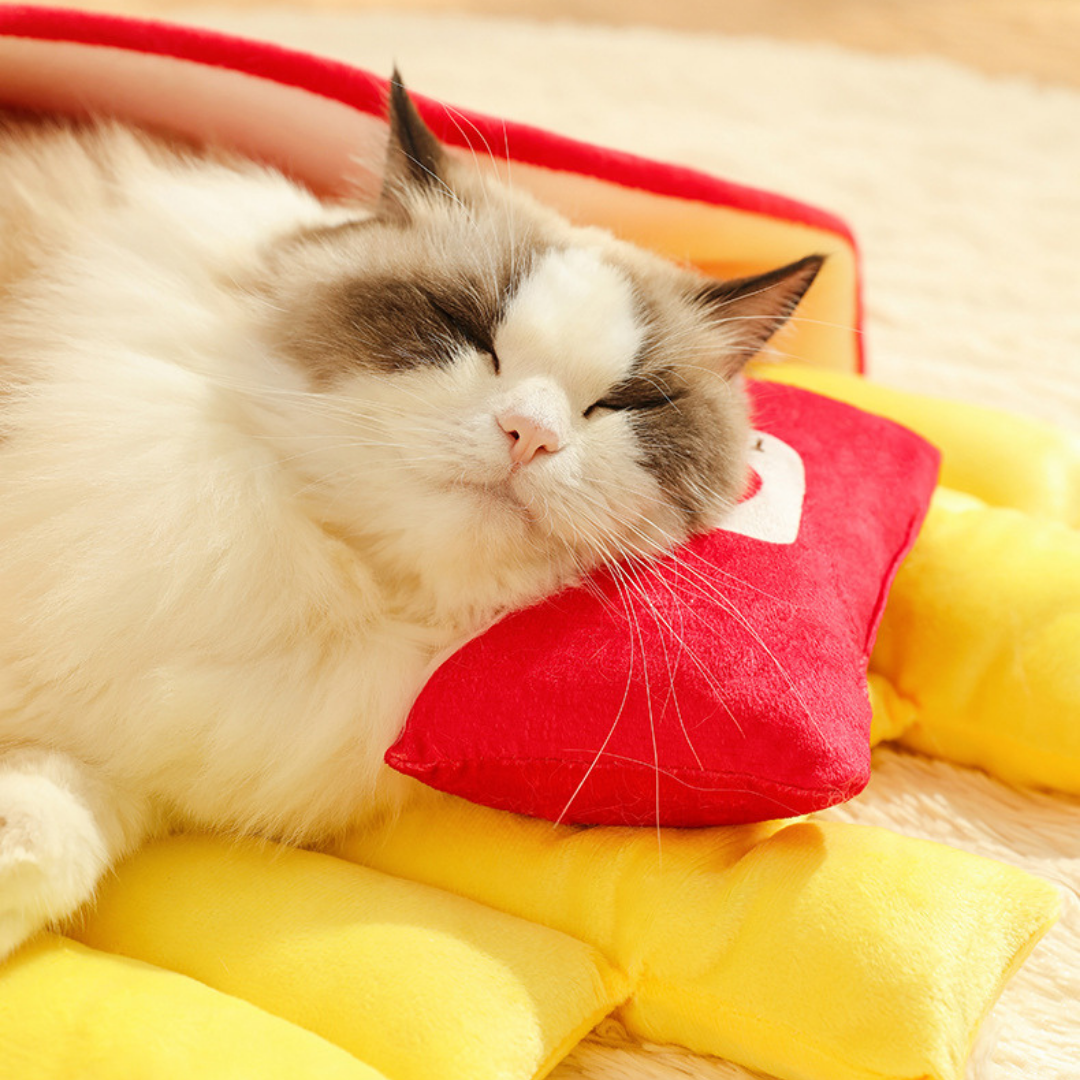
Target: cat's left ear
<point>750,310</point>
<point>415,159</point>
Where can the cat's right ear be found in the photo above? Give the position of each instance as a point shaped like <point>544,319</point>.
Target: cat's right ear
<point>415,159</point>
<point>750,310</point>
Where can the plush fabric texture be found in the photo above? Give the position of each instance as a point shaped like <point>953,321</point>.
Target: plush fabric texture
<point>413,981</point>
<point>459,941</point>
<point>815,951</point>
<point>999,692</point>
<point>725,685</point>
<point>68,1011</point>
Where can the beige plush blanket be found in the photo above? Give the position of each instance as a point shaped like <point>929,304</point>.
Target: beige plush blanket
<point>964,194</point>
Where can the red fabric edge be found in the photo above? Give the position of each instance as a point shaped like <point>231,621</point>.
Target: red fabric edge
<point>366,92</point>
<point>926,481</point>
<point>767,800</point>
<point>395,758</point>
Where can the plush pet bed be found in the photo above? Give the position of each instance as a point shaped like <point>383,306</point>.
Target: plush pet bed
<point>783,1014</point>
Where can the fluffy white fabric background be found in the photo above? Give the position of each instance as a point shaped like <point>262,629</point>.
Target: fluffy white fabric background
<point>963,192</point>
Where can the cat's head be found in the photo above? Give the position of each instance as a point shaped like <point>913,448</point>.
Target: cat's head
<point>500,400</point>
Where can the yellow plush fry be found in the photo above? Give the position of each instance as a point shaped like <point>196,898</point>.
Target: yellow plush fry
<point>844,952</point>
<point>70,1013</point>
<point>814,951</point>
<point>417,982</point>
<point>1003,459</point>
<point>981,636</point>
<point>892,714</point>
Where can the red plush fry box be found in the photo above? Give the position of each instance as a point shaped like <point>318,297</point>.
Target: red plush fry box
<point>726,684</point>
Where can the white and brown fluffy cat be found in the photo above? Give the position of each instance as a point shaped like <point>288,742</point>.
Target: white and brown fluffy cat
<point>263,459</point>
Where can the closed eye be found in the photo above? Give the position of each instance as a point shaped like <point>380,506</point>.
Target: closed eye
<point>635,402</point>
<point>466,331</point>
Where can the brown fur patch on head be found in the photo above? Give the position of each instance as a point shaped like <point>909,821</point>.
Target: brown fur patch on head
<point>411,283</point>
<point>690,419</point>
<point>685,398</point>
<point>380,298</point>
<point>695,446</point>
<point>392,324</point>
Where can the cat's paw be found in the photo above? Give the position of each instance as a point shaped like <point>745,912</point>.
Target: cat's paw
<point>51,854</point>
<point>17,919</point>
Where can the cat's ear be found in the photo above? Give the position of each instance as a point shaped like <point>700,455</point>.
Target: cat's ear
<point>415,159</point>
<point>750,310</point>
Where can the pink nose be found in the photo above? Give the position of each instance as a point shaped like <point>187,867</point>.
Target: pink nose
<point>527,437</point>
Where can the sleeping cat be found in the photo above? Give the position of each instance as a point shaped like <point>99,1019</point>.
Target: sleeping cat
<point>263,460</point>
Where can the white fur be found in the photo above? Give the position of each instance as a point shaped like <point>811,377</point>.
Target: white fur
<point>222,592</point>
<point>172,620</point>
<point>573,320</point>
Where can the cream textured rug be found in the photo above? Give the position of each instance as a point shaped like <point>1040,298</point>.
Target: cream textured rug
<point>963,192</point>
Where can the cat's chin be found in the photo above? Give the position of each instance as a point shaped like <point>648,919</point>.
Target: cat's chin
<point>498,497</point>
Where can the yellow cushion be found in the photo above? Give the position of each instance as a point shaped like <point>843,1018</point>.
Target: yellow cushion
<point>731,940</point>
<point>418,983</point>
<point>981,639</point>
<point>69,1012</point>
<point>814,951</point>
<point>892,714</point>
<point>1003,459</point>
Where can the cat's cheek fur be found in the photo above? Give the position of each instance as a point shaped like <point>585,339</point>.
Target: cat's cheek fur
<point>597,499</point>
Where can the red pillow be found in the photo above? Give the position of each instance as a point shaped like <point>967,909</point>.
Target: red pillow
<point>729,683</point>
